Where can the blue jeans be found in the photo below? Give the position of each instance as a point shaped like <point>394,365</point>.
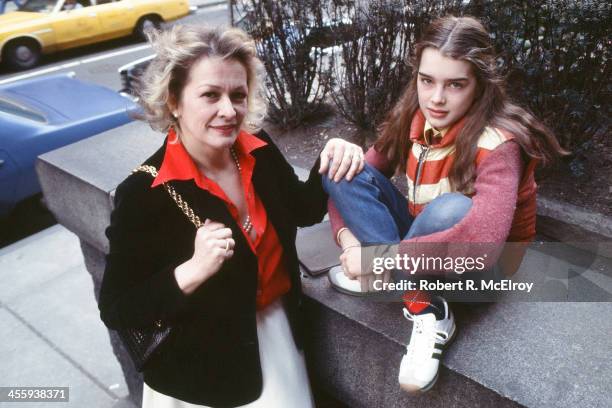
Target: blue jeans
<point>376,212</point>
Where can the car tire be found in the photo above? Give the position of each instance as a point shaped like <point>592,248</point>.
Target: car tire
<point>146,23</point>
<point>22,54</point>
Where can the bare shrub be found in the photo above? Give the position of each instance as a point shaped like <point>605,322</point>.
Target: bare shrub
<point>370,69</point>
<point>557,58</point>
<point>282,31</point>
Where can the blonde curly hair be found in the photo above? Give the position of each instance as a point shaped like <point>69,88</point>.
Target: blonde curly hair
<point>177,49</point>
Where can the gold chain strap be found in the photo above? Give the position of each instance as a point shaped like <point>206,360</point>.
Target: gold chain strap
<point>182,204</point>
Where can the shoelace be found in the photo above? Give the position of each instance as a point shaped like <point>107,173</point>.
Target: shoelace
<point>422,339</point>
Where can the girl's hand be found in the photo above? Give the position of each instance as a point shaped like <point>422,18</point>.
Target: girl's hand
<point>340,158</point>
<point>213,245</point>
<point>350,259</point>
<point>351,265</point>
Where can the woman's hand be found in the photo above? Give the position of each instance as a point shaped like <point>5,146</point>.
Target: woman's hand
<point>213,245</point>
<point>340,158</point>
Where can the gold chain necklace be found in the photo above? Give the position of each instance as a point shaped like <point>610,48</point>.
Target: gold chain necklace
<point>247,225</point>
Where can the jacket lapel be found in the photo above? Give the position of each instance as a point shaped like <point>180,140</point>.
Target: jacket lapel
<point>271,195</point>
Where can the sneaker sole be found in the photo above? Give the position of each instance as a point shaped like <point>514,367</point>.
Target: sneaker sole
<point>349,292</point>
<point>452,336</point>
<point>414,389</point>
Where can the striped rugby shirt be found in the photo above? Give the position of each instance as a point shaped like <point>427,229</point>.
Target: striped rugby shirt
<point>431,158</point>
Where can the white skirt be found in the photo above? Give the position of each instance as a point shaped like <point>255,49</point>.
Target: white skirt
<point>285,382</point>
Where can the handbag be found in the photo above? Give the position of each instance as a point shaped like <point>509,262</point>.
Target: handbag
<point>142,343</point>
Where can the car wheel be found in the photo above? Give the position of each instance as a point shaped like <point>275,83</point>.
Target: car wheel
<point>21,55</point>
<point>145,24</point>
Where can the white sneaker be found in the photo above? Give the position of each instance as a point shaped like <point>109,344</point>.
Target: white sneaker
<point>419,367</point>
<point>364,286</point>
<point>344,284</point>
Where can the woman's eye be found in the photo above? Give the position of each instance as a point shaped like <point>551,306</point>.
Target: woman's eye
<point>239,96</point>
<point>456,85</point>
<point>426,81</point>
<point>209,94</point>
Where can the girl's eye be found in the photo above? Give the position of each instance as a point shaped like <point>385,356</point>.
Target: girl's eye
<point>456,85</point>
<point>426,81</point>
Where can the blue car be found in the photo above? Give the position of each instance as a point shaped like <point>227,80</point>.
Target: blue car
<point>45,113</point>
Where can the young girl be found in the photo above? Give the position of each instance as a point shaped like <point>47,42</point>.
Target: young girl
<point>469,155</point>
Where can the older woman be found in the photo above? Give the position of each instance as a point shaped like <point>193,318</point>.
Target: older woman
<point>229,289</point>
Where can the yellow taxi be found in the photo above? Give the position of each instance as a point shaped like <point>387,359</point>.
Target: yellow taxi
<point>45,26</point>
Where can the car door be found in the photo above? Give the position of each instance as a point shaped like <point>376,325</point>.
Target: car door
<point>115,17</point>
<point>9,178</point>
<point>77,26</point>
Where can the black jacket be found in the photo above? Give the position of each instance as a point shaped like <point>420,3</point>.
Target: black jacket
<point>212,355</point>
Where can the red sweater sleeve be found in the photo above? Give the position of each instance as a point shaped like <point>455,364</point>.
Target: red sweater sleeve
<point>487,224</point>
<point>375,159</point>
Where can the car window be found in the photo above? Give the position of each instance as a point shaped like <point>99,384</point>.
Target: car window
<point>75,4</point>
<point>13,108</point>
<point>42,6</point>
<point>9,7</point>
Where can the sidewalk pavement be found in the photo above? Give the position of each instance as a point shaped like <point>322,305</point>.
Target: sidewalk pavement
<point>52,334</point>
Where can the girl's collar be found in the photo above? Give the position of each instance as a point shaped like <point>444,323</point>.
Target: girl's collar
<point>417,128</point>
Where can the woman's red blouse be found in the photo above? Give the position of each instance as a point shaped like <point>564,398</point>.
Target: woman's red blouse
<point>273,281</point>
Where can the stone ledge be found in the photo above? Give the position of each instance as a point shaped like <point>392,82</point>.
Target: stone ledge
<point>78,180</point>
<point>118,151</point>
<point>509,354</point>
<point>596,223</point>
<point>568,223</point>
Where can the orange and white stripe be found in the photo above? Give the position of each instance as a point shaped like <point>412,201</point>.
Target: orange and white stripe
<point>436,164</point>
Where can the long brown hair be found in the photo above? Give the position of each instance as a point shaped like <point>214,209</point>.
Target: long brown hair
<point>465,38</point>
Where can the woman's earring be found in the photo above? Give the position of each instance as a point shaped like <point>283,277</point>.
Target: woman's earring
<point>175,115</point>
